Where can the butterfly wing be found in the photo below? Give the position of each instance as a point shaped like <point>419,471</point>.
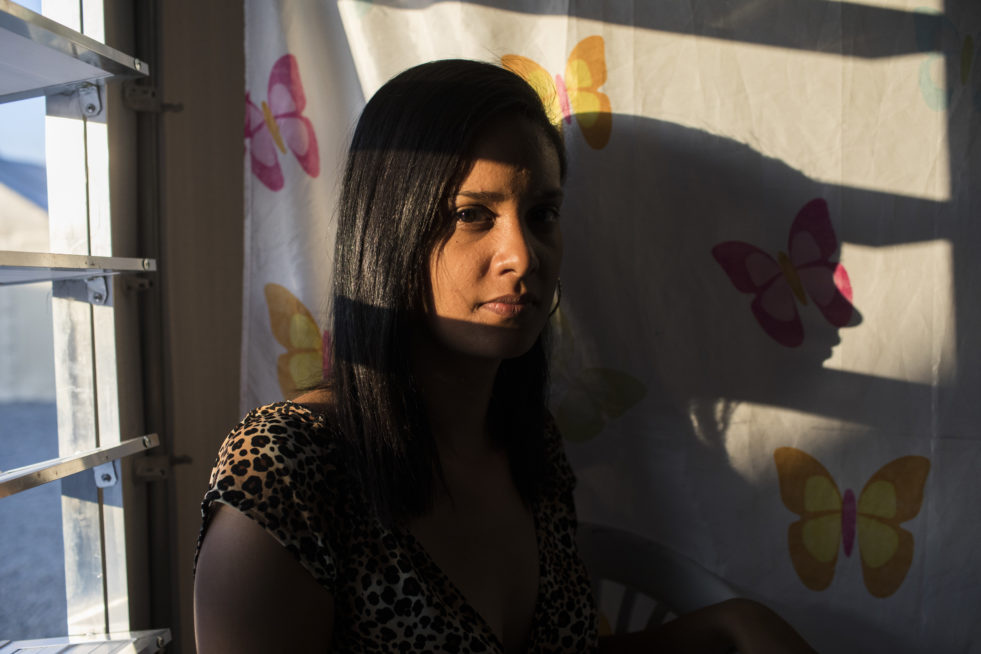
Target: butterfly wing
<point>540,80</point>
<point>287,100</point>
<point>811,244</point>
<point>808,490</point>
<point>597,395</point>
<point>300,138</point>
<point>285,90</point>
<point>294,327</point>
<point>585,72</point>
<point>893,495</point>
<point>262,148</point>
<point>937,36</point>
<point>751,270</point>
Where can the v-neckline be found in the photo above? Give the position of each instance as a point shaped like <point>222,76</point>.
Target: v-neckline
<point>422,559</point>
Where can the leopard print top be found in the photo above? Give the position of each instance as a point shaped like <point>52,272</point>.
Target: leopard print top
<point>280,468</point>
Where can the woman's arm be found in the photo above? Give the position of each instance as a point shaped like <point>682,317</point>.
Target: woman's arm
<point>251,595</point>
<point>743,624</point>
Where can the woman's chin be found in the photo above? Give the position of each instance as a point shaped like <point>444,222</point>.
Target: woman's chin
<point>480,340</point>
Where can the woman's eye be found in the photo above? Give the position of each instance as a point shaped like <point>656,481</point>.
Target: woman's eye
<point>545,215</point>
<point>472,215</point>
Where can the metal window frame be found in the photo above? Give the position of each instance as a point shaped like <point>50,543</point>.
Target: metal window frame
<point>42,472</point>
<point>96,396</point>
<point>32,267</point>
<point>75,58</point>
<point>128,642</point>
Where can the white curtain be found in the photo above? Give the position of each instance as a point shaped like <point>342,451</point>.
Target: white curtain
<point>767,352</point>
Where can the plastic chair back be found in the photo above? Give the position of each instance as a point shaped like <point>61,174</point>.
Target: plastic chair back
<point>643,582</point>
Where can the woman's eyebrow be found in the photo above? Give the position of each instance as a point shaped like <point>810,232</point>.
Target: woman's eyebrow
<point>494,196</point>
<point>483,196</point>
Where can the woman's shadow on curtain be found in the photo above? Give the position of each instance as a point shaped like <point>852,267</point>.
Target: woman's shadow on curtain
<point>656,347</point>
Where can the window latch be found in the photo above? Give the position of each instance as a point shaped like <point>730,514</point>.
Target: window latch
<point>143,97</point>
<point>157,468</point>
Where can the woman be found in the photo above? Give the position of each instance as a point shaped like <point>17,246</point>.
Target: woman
<point>420,499</point>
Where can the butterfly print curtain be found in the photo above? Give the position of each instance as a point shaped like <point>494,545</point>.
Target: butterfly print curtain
<point>767,352</point>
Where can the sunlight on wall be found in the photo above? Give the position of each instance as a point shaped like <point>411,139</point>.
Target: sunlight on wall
<point>377,58</point>
<point>833,121</point>
<point>908,320</point>
<point>891,140</point>
<point>908,5</point>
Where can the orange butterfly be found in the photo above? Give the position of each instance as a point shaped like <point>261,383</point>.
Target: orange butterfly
<point>574,94</point>
<point>306,359</point>
<point>892,496</point>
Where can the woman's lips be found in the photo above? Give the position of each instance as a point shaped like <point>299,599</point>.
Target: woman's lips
<point>510,305</point>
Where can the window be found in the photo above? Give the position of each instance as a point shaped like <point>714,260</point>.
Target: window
<point>64,388</point>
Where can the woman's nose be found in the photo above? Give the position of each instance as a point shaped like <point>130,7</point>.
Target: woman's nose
<point>516,248</point>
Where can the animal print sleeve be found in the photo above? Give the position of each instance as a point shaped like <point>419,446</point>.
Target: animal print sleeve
<point>274,468</point>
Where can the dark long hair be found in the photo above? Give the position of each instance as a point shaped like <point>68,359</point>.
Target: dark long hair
<point>411,149</point>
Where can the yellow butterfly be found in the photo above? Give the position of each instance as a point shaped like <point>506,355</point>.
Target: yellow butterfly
<point>595,396</point>
<point>892,496</point>
<point>306,359</point>
<point>574,94</point>
<point>590,397</point>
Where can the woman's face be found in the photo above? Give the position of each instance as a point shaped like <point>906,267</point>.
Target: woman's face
<point>492,281</point>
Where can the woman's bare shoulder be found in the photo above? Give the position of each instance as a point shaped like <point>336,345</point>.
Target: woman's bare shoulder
<point>252,595</point>
<point>318,400</point>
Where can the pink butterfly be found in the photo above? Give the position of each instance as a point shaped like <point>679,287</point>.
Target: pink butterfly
<point>280,124</point>
<point>807,271</point>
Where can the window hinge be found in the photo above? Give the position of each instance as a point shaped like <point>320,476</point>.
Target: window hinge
<point>85,100</point>
<point>107,474</point>
<point>94,290</point>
